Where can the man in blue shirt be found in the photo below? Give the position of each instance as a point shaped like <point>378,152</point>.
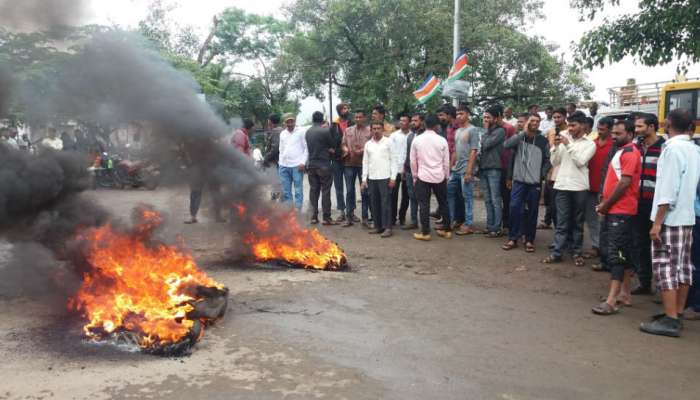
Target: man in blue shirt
<point>673,213</point>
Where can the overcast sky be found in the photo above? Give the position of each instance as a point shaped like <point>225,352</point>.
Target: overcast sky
<point>560,26</point>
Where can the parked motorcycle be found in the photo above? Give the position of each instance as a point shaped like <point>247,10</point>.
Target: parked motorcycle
<point>113,172</point>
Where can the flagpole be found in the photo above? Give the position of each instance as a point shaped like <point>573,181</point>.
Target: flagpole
<point>455,41</point>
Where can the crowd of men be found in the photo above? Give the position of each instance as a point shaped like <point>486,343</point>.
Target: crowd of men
<point>633,190</point>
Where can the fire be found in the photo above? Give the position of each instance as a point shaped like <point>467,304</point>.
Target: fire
<point>290,243</point>
<point>148,291</point>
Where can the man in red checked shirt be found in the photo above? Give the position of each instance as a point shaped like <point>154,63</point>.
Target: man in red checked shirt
<point>240,139</point>
<point>619,206</point>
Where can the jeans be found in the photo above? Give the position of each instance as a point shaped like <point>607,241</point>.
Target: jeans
<point>380,197</point>
<point>339,184</point>
<point>550,215</point>
<point>455,200</point>
<point>291,176</point>
<point>411,190</point>
<point>395,208</point>
<point>491,189</point>
<point>694,293</point>
<point>592,220</point>
<point>354,174</point>
<point>524,208</point>
<point>571,215</point>
<point>423,190</point>
<point>642,241</point>
<point>320,182</point>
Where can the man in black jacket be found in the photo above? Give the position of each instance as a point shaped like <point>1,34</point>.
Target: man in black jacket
<point>272,148</point>
<point>321,147</point>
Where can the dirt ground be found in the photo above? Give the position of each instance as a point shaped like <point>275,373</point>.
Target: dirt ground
<point>457,319</point>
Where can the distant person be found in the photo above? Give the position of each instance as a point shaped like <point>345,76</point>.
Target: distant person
<point>619,206</point>
<point>417,128</point>
<point>338,128</point>
<point>379,114</point>
<point>571,153</point>
<point>550,216</point>
<point>508,116</point>
<point>533,109</point>
<point>430,167</point>
<point>491,169</point>
<point>527,172</point>
<point>292,162</point>
<point>69,143</point>
<point>521,122</point>
<point>241,137</point>
<point>399,148</point>
<point>52,141</point>
<point>321,147</point>
<point>547,123</point>
<point>570,109</point>
<point>673,213</point>
<point>271,149</point>
<point>603,145</point>
<point>379,171</point>
<point>353,148</point>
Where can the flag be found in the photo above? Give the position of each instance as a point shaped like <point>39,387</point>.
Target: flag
<point>427,89</point>
<point>459,68</point>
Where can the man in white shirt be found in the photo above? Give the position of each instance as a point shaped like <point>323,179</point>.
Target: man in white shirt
<point>292,162</point>
<point>548,122</point>
<point>52,141</point>
<point>571,153</point>
<point>379,171</point>
<point>399,149</point>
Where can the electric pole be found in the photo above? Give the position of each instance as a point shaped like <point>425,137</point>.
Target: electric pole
<point>455,41</point>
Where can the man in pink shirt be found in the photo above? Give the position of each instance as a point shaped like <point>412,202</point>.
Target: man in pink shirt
<point>430,167</point>
<point>240,139</point>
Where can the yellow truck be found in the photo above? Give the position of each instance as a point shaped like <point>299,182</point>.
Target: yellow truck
<point>657,97</point>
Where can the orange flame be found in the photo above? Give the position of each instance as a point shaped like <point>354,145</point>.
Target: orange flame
<point>291,243</point>
<point>134,286</point>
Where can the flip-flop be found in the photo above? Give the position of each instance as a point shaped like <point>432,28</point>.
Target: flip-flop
<point>529,247</point>
<point>551,260</point>
<point>605,309</point>
<point>509,245</point>
<point>579,261</point>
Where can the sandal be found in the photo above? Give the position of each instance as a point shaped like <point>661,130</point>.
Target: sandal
<point>551,260</point>
<point>529,247</point>
<point>579,261</point>
<point>619,301</point>
<point>509,245</point>
<point>605,309</point>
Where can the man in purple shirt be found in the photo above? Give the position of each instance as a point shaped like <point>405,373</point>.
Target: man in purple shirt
<point>430,167</point>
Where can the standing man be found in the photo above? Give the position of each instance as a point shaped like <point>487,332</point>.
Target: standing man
<point>673,213</point>
<point>460,196</point>
<point>353,148</point>
<point>571,153</point>
<point>508,116</point>
<point>506,158</point>
<point>271,150</point>
<point>550,216</point>
<point>533,109</point>
<point>417,128</point>
<point>399,148</point>
<point>430,166</point>
<point>490,169</point>
<point>340,125</point>
<point>241,137</point>
<point>619,206</point>
<point>528,171</point>
<point>548,122</point>
<point>321,146</point>
<point>650,145</point>
<point>570,109</point>
<point>603,144</point>
<point>379,171</point>
<point>52,141</point>
<point>379,114</point>
<point>292,162</point>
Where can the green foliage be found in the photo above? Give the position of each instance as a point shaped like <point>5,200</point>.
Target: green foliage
<point>382,50</point>
<point>660,32</point>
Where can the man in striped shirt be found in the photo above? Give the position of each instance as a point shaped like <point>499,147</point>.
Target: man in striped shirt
<point>649,145</point>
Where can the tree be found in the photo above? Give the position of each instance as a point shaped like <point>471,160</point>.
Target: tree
<point>660,32</point>
<point>376,51</point>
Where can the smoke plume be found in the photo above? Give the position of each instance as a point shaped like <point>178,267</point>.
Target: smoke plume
<point>45,15</point>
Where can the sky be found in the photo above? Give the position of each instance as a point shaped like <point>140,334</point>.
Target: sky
<point>560,25</point>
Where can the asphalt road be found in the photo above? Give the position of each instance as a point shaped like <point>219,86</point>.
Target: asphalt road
<point>457,319</point>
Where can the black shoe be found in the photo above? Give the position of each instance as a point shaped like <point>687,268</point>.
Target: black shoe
<point>657,317</point>
<point>642,290</point>
<point>354,219</point>
<point>664,326</point>
<point>409,227</point>
<point>387,233</point>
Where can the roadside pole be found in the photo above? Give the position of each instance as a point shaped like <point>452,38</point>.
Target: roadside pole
<point>455,41</point>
